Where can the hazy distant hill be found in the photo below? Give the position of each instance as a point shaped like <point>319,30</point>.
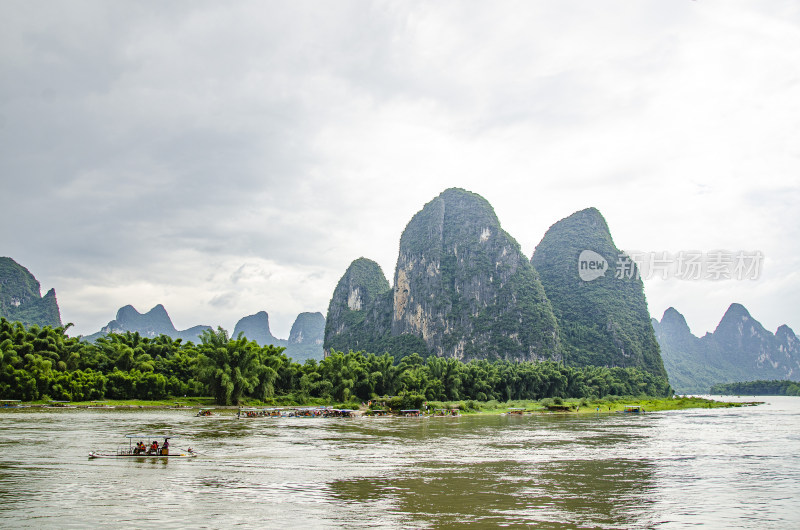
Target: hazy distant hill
<point>21,299</point>
<point>739,349</point>
<point>256,327</point>
<point>603,317</point>
<point>462,288</point>
<point>305,341</point>
<point>151,324</point>
<point>305,338</point>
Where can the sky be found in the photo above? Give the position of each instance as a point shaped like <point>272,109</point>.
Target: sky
<point>225,158</point>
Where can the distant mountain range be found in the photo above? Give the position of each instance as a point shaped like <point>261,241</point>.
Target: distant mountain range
<point>739,349</point>
<point>21,301</point>
<point>305,338</point>
<point>463,289</point>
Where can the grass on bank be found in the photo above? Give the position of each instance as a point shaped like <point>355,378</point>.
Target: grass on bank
<point>544,406</point>
<point>587,405</point>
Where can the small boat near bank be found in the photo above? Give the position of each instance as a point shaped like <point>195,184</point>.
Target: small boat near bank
<point>100,405</point>
<point>633,409</point>
<point>377,413</point>
<point>440,413</point>
<point>295,412</point>
<point>56,404</point>
<point>140,451</point>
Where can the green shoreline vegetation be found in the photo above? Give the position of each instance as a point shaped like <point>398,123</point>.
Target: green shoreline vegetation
<point>758,388</point>
<point>612,404</point>
<point>40,365</point>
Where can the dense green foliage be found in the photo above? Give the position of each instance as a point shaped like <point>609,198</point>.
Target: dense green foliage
<point>43,363</point>
<point>21,299</point>
<point>758,388</point>
<point>604,321</point>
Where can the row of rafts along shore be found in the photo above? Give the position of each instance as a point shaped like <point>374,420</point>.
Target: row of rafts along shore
<point>242,412</point>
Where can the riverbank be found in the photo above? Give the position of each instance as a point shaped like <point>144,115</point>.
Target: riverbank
<point>611,404</point>
<point>544,406</point>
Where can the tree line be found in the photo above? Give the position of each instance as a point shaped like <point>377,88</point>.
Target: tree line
<point>758,388</point>
<point>44,363</point>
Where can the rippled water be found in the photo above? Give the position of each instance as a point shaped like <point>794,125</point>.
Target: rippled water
<point>724,468</point>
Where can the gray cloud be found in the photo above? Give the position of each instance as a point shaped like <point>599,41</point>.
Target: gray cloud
<point>149,150</point>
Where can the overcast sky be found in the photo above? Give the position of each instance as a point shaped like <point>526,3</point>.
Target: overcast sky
<point>224,158</point>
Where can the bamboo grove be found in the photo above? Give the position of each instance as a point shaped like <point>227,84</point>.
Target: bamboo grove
<point>44,363</point>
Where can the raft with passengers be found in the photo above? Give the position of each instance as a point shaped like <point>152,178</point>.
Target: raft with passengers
<point>144,451</point>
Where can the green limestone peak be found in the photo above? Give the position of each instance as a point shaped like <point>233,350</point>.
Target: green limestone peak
<point>462,288</point>
<point>463,285</point>
<point>602,312</point>
<point>364,282</point>
<point>359,313</point>
<point>21,299</point>
<point>675,321</point>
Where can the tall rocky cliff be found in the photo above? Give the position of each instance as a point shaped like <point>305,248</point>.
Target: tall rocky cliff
<point>739,349</point>
<point>21,299</point>
<point>462,288</point>
<point>603,315</point>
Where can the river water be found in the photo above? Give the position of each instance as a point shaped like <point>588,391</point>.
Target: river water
<point>722,468</point>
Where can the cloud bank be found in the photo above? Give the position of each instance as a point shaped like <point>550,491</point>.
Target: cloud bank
<point>227,159</point>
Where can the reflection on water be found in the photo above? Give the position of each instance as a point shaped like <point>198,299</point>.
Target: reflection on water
<point>719,467</point>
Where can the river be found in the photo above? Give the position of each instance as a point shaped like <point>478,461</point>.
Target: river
<point>722,468</point>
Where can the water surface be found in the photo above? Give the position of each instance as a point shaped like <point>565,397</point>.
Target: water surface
<point>723,468</point>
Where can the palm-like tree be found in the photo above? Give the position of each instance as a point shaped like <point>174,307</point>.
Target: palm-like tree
<point>229,367</point>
